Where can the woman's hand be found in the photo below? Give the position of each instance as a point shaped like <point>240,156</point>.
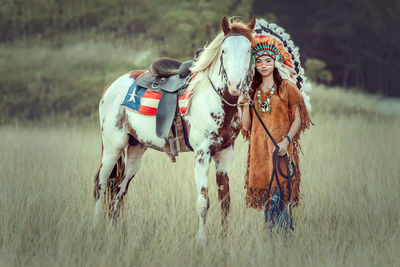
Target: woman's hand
<point>246,119</point>
<point>283,147</point>
<point>243,100</point>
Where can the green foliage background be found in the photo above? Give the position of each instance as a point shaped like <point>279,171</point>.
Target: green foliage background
<point>358,39</point>
<point>56,56</point>
<point>178,27</point>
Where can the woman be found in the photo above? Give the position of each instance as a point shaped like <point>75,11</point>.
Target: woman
<point>282,108</point>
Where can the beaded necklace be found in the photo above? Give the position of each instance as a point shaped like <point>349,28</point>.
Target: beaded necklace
<point>265,106</point>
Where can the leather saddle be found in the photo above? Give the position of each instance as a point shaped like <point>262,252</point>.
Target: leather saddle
<point>169,77</point>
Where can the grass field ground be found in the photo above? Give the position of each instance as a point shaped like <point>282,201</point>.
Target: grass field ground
<point>349,214</point>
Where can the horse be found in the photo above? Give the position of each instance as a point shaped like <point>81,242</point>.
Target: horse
<point>222,72</point>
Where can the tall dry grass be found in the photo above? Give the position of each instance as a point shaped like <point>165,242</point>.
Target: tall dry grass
<point>349,214</point>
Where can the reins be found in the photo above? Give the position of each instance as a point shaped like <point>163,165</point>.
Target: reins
<point>222,72</point>
<point>276,159</point>
<point>220,96</point>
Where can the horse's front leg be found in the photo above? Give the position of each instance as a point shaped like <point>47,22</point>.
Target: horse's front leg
<point>223,163</point>
<point>201,166</point>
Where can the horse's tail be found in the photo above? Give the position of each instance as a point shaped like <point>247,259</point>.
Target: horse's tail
<point>96,189</point>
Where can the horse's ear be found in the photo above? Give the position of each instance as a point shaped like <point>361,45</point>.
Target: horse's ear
<point>252,23</point>
<point>225,25</point>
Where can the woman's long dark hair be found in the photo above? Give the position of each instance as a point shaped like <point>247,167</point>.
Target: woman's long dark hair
<point>257,80</point>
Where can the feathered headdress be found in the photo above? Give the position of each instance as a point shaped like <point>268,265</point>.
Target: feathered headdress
<point>272,40</point>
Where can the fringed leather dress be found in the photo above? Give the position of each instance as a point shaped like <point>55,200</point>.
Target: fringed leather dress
<point>259,160</point>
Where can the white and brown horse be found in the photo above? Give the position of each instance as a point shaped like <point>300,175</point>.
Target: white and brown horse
<point>223,71</point>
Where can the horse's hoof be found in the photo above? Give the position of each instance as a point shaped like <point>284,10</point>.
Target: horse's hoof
<point>201,244</point>
<point>201,241</point>
<point>95,220</point>
<point>97,213</point>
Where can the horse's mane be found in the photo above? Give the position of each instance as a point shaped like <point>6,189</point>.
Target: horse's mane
<point>211,51</point>
<point>208,55</point>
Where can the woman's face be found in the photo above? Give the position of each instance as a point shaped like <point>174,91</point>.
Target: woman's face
<point>265,65</point>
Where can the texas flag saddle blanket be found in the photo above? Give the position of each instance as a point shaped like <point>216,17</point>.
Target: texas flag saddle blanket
<point>145,101</point>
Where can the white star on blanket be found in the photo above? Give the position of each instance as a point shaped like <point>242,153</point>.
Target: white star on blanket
<point>132,96</point>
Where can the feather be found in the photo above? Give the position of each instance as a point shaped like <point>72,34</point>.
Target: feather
<point>272,26</point>
<point>297,72</point>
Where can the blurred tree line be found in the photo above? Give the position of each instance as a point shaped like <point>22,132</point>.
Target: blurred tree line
<point>351,43</point>
<point>359,40</point>
<point>57,55</point>
<point>179,27</point>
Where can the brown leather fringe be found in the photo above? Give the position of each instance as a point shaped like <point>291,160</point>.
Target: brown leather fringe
<point>255,198</point>
<point>305,124</point>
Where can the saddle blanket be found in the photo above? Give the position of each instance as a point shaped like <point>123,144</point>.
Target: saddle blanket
<point>146,101</point>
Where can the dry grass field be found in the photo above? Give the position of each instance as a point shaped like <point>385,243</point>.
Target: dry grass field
<point>349,214</point>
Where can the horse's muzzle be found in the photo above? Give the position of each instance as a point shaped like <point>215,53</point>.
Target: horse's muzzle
<point>235,88</point>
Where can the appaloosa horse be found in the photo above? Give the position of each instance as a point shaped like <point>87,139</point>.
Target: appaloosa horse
<point>223,71</point>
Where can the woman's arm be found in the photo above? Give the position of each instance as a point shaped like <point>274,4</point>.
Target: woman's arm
<point>294,128</point>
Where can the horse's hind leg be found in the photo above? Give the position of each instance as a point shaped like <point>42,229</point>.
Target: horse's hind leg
<point>133,159</point>
<point>223,162</point>
<point>111,153</point>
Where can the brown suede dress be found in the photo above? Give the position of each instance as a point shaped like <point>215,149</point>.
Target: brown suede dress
<point>259,159</point>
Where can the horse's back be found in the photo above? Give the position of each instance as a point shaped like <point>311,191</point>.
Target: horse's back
<point>134,74</point>
<point>114,115</point>
<point>115,92</point>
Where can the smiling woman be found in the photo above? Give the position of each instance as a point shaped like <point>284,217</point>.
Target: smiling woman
<point>283,110</point>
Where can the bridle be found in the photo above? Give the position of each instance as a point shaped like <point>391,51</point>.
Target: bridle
<point>222,73</point>
<point>222,98</point>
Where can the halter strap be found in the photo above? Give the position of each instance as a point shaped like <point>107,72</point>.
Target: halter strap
<point>222,72</point>
<point>222,98</point>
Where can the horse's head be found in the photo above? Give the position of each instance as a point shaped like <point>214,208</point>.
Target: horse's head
<point>236,61</point>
